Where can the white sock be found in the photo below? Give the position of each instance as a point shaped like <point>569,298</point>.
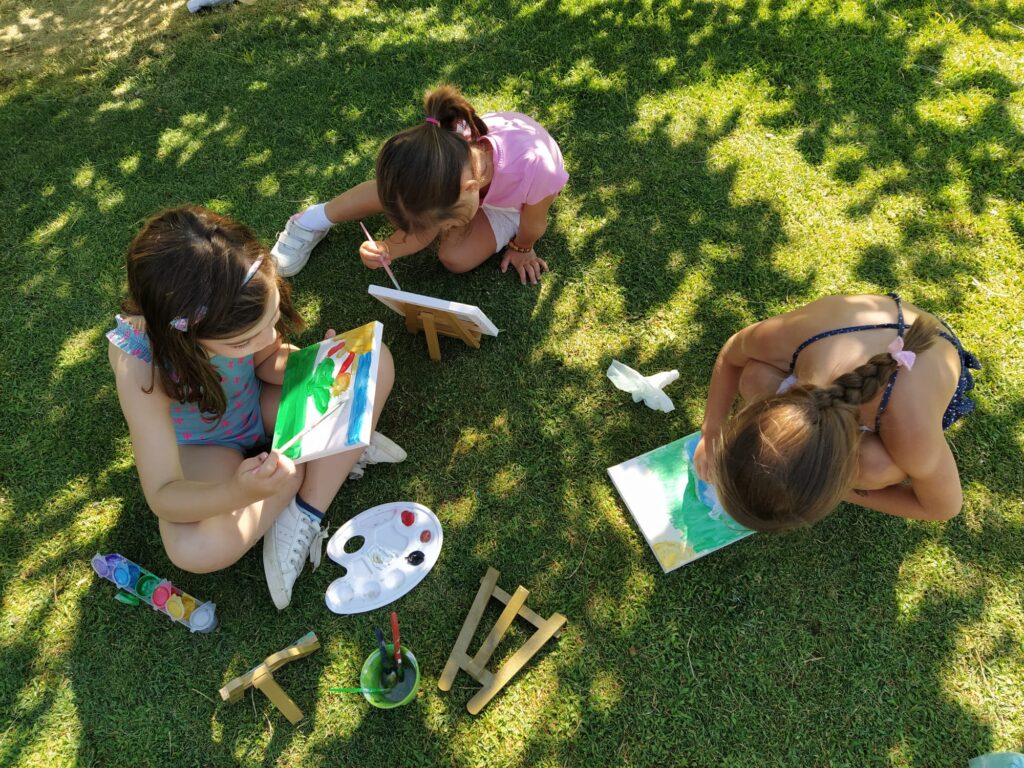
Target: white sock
<point>314,217</point>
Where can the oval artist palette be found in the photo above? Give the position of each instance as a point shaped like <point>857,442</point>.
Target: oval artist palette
<point>385,551</point>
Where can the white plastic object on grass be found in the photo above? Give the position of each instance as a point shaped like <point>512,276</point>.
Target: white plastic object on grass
<point>646,388</point>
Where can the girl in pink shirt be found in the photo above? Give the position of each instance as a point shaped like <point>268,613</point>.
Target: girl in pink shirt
<point>483,182</point>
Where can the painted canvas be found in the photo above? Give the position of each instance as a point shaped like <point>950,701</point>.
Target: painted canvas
<point>333,382</point>
<point>676,512</point>
<point>469,314</point>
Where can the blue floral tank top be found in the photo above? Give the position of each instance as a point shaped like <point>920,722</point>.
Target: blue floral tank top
<point>242,424</point>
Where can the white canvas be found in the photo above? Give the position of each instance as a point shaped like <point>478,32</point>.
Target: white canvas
<point>469,314</point>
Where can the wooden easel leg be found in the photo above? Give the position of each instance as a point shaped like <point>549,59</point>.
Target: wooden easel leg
<point>471,339</point>
<point>479,662</point>
<point>266,683</point>
<point>451,668</point>
<point>430,331</point>
<point>513,665</point>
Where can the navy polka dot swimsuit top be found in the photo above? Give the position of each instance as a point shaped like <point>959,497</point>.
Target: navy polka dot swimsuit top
<point>958,407</point>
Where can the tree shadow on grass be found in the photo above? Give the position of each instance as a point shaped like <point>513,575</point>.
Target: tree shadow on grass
<point>750,636</point>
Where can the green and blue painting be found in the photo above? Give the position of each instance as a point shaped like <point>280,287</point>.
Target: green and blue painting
<point>328,394</point>
<point>677,513</point>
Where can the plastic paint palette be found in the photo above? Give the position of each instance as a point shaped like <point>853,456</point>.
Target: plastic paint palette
<point>392,547</point>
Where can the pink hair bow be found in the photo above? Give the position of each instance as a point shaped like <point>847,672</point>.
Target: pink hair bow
<point>903,359</point>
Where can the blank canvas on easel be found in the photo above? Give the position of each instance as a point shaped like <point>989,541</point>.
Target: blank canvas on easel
<point>437,317</point>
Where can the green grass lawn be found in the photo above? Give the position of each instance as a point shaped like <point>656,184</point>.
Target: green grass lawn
<point>728,160</point>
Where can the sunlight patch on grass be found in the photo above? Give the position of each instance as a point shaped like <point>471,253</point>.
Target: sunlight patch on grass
<point>125,106</point>
<point>983,675</point>
<point>460,512</point>
<point>503,732</point>
<point>393,29</point>
<point>507,480</point>
<point>268,186</point>
<point>585,74</point>
<point>195,129</point>
<point>955,111</point>
<point>257,158</point>
<point>78,348</point>
<point>56,224</point>
<point>925,575</point>
<point>605,692</point>
<point>84,176</point>
<point>129,164</point>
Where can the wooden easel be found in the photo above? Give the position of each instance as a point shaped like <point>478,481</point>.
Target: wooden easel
<point>436,321</point>
<point>262,678</point>
<point>493,682</point>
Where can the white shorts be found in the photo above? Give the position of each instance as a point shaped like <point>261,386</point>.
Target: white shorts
<point>504,223</point>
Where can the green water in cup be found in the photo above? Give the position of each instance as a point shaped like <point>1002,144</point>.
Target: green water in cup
<point>404,690</point>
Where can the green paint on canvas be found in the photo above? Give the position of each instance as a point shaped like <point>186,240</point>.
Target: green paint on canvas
<point>291,413</point>
<point>689,515</point>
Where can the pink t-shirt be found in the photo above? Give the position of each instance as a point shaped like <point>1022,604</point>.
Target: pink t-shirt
<point>527,162</point>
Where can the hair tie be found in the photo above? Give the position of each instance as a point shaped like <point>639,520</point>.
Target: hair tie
<point>252,270</point>
<point>432,121</point>
<point>903,359</point>
<point>182,323</point>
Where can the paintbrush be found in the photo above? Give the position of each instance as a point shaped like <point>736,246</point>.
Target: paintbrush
<point>399,670</point>
<point>382,262</point>
<point>312,426</point>
<point>388,676</point>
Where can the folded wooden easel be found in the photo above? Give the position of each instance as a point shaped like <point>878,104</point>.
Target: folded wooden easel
<point>475,666</point>
<point>261,677</point>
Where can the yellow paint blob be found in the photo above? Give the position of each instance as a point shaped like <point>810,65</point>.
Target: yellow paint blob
<point>175,608</point>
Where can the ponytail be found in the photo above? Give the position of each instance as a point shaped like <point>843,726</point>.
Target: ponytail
<point>419,171</point>
<point>451,110</point>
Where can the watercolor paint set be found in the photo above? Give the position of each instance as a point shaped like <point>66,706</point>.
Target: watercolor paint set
<point>385,551</point>
<point>139,585</point>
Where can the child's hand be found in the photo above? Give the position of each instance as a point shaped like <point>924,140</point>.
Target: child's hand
<point>262,476</point>
<point>375,254</point>
<point>528,265</point>
<point>702,459</point>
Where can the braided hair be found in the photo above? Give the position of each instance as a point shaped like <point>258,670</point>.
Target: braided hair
<point>787,459</point>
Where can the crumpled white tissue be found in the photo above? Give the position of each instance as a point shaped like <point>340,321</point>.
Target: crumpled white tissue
<point>646,388</point>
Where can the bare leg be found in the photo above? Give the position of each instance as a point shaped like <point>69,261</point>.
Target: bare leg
<point>463,251</point>
<point>876,469</point>
<point>759,379</point>
<point>219,541</point>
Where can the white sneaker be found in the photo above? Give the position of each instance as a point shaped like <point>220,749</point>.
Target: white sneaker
<point>293,537</point>
<point>293,246</point>
<point>194,5</point>
<point>381,450</point>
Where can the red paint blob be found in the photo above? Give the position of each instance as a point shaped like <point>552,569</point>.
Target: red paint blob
<point>425,536</point>
<point>408,518</point>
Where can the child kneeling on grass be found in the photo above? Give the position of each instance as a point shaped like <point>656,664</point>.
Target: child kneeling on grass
<point>199,358</point>
<point>484,182</point>
<point>847,399</point>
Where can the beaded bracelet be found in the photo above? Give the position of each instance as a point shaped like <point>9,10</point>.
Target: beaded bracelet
<point>513,247</point>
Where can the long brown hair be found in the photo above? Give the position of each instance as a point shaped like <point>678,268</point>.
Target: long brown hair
<point>189,265</point>
<point>419,171</point>
<point>786,460</point>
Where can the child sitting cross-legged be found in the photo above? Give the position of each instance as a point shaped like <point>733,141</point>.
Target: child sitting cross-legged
<point>199,356</point>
